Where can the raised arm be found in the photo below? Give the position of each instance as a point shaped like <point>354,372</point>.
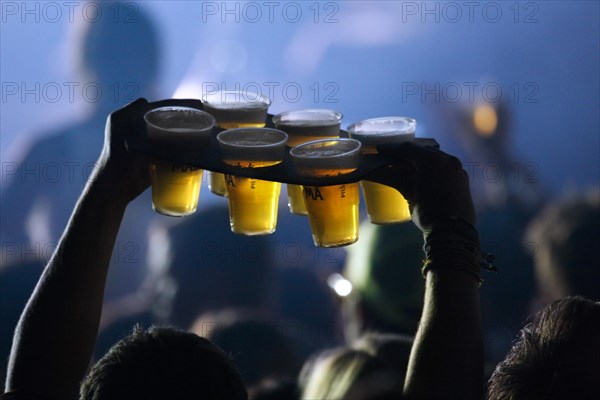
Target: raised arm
<point>447,357</point>
<point>53,342</point>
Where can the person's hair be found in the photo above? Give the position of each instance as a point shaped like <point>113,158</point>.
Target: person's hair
<point>563,238</point>
<point>393,349</point>
<point>346,373</point>
<point>557,355</point>
<point>163,363</point>
<point>259,348</point>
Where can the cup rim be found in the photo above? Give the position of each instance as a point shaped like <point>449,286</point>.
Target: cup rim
<point>227,132</point>
<point>277,119</point>
<point>411,127</point>
<point>358,144</point>
<point>260,99</point>
<point>212,121</point>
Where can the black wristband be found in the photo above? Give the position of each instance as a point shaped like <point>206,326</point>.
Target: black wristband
<point>454,243</point>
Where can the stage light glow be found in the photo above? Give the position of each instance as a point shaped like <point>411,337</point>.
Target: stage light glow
<point>485,120</point>
<point>341,285</point>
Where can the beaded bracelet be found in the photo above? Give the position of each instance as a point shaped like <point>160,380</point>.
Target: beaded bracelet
<point>454,243</point>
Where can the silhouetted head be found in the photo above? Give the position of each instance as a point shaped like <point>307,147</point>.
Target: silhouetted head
<point>350,374</point>
<point>163,363</point>
<point>120,51</point>
<point>557,356</point>
<point>260,348</point>
<point>564,237</point>
<point>391,348</point>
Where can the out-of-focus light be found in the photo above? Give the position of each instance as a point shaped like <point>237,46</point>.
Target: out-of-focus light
<point>340,285</point>
<point>228,56</point>
<point>188,89</point>
<point>485,120</point>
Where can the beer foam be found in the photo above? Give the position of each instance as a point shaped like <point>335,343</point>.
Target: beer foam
<point>379,129</point>
<point>236,100</point>
<point>327,148</point>
<point>308,118</point>
<point>254,143</point>
<point>238,106</point>
<point>384,126</point>
<point>182,130</point>
<point>372,132</point>
<point>327,157</point>
<point>318,153</point>
<point>307,123</point>
<point>180,121</point>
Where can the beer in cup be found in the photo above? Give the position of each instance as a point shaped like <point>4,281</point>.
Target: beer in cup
<point>176,187</point>
<point>332,210</point>
<point>304,126</point>
<point>234,109</point>
<point>385,205</point>
<point>253,202</point>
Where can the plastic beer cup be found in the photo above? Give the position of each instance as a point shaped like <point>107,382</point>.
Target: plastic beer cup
<point>234,109</point>
<point>332,210</point>
<point>176,187</point>
<point>304,126</point>
<point>253,203</point>
<point>385,205</point>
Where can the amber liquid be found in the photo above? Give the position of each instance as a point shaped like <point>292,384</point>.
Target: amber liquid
<point>333,214</point>
<point>296,199</point>
<point>230,117</point>
<point>175,188</point>
<point>216,183</point>
<point>385,205</point>
<point>253,205</point>
<point>299,134</point>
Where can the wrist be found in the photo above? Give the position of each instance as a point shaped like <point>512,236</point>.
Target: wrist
<point>453,244</point>
<point>452,226</point>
